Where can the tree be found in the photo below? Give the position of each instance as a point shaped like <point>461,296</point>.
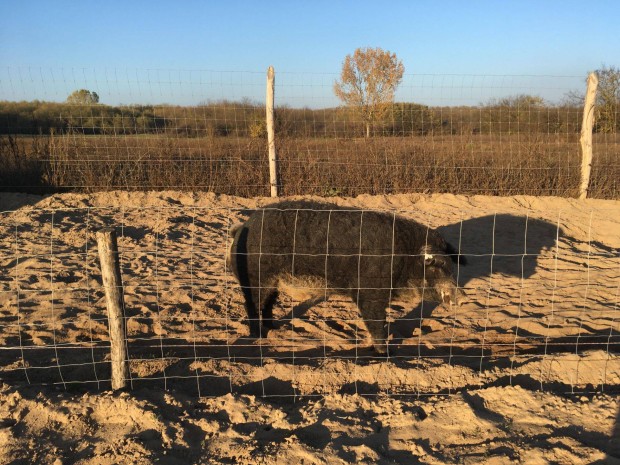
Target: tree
<point>410,118</point>
<point>515,113</point>
<point>368,81</point>
<point>83,97</point>
<point>607,104</point>
<point>522,101</point>
<point>607,99</point>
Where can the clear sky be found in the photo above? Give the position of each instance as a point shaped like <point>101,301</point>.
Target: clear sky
<point>140,50</point>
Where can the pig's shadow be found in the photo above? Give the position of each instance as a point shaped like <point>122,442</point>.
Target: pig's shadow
<point>501,244</point>
<point>505,244</point>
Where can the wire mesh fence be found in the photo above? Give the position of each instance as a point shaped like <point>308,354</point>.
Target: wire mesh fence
<point>542,282</point>
<point>175,129</point>
<point>542,305</point>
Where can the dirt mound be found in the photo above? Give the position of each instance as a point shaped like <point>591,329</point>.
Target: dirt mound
<point>526,372</point>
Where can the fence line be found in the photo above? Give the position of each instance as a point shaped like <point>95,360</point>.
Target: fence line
<point>465,134</point>
<point>543,289</point>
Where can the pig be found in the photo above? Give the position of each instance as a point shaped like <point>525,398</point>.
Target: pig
<point>324,249</point>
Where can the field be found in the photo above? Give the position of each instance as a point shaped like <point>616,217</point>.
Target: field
<point>527,371</point>
<point>489,164</point>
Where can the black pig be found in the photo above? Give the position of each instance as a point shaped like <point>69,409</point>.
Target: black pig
<point>369,256</point>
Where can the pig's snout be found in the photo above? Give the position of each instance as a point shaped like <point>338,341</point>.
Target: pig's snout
<point>451,294</point>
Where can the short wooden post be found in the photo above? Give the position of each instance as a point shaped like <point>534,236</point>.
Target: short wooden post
<point>587,126</point>
<point>113,286</point>
<point>271,138</point>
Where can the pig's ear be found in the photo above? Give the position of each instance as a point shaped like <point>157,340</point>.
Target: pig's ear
<point>455,255</point>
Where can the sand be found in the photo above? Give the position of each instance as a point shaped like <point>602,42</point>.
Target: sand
<point>527,371</point>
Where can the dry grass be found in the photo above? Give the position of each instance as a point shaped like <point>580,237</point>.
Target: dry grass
<point>534,164</point>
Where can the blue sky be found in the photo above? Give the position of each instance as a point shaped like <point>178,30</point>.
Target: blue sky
<point>221,49</point>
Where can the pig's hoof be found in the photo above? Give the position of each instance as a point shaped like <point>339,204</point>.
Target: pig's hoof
<point>381,349</point>
<point>255,330</point>
<point>260,331</point>
<point>270,324</point>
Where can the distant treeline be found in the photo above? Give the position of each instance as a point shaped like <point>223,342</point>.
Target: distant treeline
<point>242,119</point>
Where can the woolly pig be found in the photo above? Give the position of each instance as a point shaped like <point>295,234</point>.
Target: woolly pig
<point>370,256</point>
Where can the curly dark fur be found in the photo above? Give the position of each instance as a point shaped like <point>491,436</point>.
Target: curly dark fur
<point>370,256</point>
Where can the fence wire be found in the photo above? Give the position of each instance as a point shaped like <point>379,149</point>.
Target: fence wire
<point>205,130</point>
<point>543,296</point>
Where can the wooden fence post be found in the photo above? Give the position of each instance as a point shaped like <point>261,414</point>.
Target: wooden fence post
<point>113,286</point>
<point>587,126</point>
<point>271,139</point>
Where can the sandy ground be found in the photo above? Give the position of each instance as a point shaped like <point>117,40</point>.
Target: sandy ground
<point>527,371</point>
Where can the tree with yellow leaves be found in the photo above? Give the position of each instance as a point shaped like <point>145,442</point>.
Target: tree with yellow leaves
<point>368,81</point>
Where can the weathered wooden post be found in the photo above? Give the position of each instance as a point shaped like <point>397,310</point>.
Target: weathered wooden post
<point>587,126</point>
<point>271,139</point>
<point>113,286</point>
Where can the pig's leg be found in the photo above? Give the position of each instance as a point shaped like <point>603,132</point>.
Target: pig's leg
<point>248,286</point>
<point>267,298</point>
<point>252,312</point>
<point>267,308</point>
<point>373,305</point>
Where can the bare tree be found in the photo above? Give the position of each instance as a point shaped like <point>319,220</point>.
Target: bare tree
<point>368,81</point>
